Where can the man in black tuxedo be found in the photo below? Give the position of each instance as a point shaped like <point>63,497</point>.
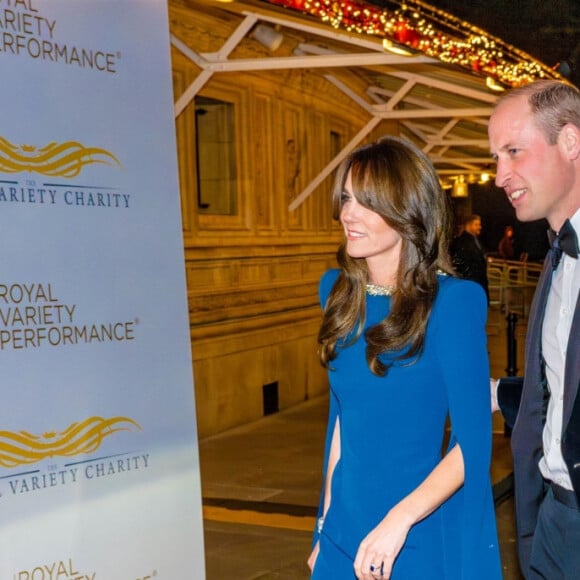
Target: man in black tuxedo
<point>467,253</point>
<point>534,135</point>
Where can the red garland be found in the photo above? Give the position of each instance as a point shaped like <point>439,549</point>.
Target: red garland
<point>369,19</point>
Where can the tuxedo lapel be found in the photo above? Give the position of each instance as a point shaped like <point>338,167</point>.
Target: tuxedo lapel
<point>572,373</point>
<point>536,319</point>
<point>526,438</point>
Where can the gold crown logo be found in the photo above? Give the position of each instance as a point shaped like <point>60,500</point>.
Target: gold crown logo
<point>62,160</point>
<point>23,448</point>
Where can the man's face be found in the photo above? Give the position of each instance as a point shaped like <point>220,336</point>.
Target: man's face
<point>536,176</point>
<point>474,227</point>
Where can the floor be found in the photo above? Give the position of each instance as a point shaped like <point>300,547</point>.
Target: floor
<point>261,482</point>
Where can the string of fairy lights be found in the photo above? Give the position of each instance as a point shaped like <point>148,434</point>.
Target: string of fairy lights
<point>424,28</point>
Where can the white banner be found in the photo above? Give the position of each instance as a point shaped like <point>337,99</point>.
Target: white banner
<point>99,468</point>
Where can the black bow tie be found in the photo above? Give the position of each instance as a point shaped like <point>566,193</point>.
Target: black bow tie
<point>563,241</point>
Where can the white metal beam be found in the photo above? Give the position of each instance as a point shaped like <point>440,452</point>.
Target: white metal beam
<point>449,87</point>
<point>483,143</point>
<point>234,39</point>
<point>351,39</point>
<point>334,163</point>
<point>310,61</point>
<point>431,113</point>
<point>349,92</point>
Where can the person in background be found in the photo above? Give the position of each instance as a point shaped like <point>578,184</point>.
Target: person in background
<point>505,248</point>
<point>534,134</point>
<point>393,504</point>
<point>467,254</point>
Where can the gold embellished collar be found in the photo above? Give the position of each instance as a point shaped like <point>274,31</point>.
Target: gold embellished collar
<point>377,290</point>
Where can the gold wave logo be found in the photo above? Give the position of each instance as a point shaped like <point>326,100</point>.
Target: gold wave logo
<point>22,448</point>
<point>56,160</point>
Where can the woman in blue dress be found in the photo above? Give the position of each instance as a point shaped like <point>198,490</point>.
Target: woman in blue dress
<point>405,346</point>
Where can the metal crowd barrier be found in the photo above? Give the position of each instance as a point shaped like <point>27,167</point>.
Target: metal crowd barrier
<point>512,284</point>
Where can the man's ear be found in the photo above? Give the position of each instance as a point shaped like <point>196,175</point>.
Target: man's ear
<point>569,139</point>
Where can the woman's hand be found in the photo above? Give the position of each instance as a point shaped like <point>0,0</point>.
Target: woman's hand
<point>382,545</point>
<point>313,556</point>
<point>378,551</point>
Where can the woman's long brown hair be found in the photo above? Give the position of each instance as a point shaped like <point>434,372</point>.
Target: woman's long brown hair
<point>395,179</point>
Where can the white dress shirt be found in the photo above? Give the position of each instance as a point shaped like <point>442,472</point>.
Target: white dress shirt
<point>560,309</point>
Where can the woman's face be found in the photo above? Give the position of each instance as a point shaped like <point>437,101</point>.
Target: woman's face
<point>369,236</point>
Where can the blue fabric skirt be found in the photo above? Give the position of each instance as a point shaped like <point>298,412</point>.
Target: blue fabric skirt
<point>332,563</point>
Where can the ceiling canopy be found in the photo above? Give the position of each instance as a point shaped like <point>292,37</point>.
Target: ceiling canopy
<point>399,68</point>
